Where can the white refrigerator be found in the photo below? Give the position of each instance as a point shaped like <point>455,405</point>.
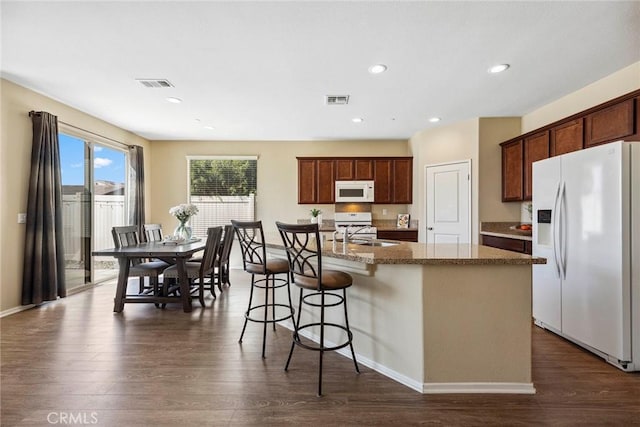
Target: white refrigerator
<point>586,223</point>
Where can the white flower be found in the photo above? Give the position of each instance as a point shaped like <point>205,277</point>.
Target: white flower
<point>184,211</point>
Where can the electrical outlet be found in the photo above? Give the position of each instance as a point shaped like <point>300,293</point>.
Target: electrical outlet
<point>384,211</point>
<point>22,218</point>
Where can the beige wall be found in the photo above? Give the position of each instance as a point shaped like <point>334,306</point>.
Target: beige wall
<point>475,139</point>
<point>15,163</point>
<point>493,131</point>
<point>445,144</point>
<point>619,83</point>
<point>277,194</point>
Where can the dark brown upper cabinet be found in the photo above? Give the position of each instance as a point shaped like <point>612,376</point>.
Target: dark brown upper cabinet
<point>610,124</point>
<point>402,181</point>
<point>307,181</point>
<point>326,181</point>
<point>512,161</point>
<point>364,169</point>
<point>567,137</point>
<point>536,147</point>
<point>393,177</point>
<point>613,120</point>
<point>345,170</point>
<point>383,176</point>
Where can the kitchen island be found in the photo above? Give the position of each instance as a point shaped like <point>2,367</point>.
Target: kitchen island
<point>437,318</point>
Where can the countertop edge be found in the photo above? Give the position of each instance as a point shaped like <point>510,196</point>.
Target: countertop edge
<point>506,236</point>
<point>512,259</point>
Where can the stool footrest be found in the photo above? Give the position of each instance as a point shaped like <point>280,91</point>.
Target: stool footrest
<point>317,347</point>
<point>247,314</point>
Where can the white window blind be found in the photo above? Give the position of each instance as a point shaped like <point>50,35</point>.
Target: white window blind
<point>223,188</point>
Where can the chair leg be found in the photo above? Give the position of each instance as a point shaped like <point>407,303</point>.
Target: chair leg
<point>141,285</point>
<point>321,343</point>
<point>346,322</point>
<point>227,281</point>
<point>212,288</point>
<point>266,311</point>
<point>154,283</point>
<point>246,314</point>
<point>220,278</point>
<point>273,299</point>
<point>201,291</point>
<point>295,331</point>
<point>293,312</point>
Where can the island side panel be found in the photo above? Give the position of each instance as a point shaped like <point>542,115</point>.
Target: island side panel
<point>477,325</point>
<point>386,317</point>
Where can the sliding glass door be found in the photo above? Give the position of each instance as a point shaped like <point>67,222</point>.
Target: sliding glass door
<point>93,196</point>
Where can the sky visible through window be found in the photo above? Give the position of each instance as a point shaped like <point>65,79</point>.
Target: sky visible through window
<point>108,164</point>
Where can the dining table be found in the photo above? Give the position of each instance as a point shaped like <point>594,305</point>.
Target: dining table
<point>170,252</point>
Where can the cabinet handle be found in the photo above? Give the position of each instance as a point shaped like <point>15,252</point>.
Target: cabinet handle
<point>429,228</point>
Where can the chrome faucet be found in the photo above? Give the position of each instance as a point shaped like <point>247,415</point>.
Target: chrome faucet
<point>346,235</point>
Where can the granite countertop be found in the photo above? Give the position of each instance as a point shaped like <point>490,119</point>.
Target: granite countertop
<point>418,253</point>
<point>380,224</point>
<point>503,229</point>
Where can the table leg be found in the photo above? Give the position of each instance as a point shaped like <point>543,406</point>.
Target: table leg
<point>185,290</point>
<point>121,290</point>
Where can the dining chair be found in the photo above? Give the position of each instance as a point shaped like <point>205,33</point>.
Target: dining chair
<point>322,288</point>
<point>255,261</point>
<point>128,236</point>
<point>198,271</point>
<point>222,262</point>
<point>153,232</point>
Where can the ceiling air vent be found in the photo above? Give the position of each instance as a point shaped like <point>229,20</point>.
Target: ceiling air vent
<point>155,83</point>
<point>337,99</point>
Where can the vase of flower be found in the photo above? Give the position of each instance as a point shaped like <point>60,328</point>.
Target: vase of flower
<point>183,213</point>
<point>182,231</point>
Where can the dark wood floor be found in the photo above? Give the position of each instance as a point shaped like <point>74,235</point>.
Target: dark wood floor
<point>150,367</point>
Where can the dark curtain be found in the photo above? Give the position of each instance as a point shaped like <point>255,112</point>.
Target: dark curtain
<point>43,274</point>
<point>136,189</point>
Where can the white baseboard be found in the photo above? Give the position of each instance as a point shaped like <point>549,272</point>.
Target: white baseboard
<point>498,388</point>
<point>427,388</point>
<point>15,310</point>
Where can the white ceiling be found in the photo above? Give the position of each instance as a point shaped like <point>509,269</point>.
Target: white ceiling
<point>260,70</point>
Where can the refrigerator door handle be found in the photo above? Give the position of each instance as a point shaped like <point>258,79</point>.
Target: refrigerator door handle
<point>562,234</point>
<point>555,217</point>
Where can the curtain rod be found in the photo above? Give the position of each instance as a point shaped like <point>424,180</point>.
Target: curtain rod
<point>33,113</point>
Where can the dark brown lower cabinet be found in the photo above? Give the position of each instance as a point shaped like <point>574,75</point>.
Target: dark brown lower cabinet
<point>515,245</point>
<point>402,235</point>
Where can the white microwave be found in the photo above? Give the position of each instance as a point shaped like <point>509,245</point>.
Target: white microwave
<point>354,191</point>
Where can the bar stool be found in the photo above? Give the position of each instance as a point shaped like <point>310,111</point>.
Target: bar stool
<point>254,258</point>
<point>301,243</point>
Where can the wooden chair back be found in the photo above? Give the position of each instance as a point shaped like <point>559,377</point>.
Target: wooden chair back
<point>153,232</point>
<point>251,240</point>
<point>302,245</point>
<point>211,249</point>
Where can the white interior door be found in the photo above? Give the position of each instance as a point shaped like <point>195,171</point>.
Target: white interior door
<point>448,197</point>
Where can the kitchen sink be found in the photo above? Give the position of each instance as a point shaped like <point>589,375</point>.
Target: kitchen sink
<point>373,243</point>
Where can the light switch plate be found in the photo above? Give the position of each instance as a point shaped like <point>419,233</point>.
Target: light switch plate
<point>22,218</point>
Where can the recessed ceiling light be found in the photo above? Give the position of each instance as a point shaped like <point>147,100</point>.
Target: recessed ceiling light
<point>498,68</point>
<point>173,100</point>
<point>434,119</point>
<point>209,127</point>
<point>357,120</point>
<point>377,69</point>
